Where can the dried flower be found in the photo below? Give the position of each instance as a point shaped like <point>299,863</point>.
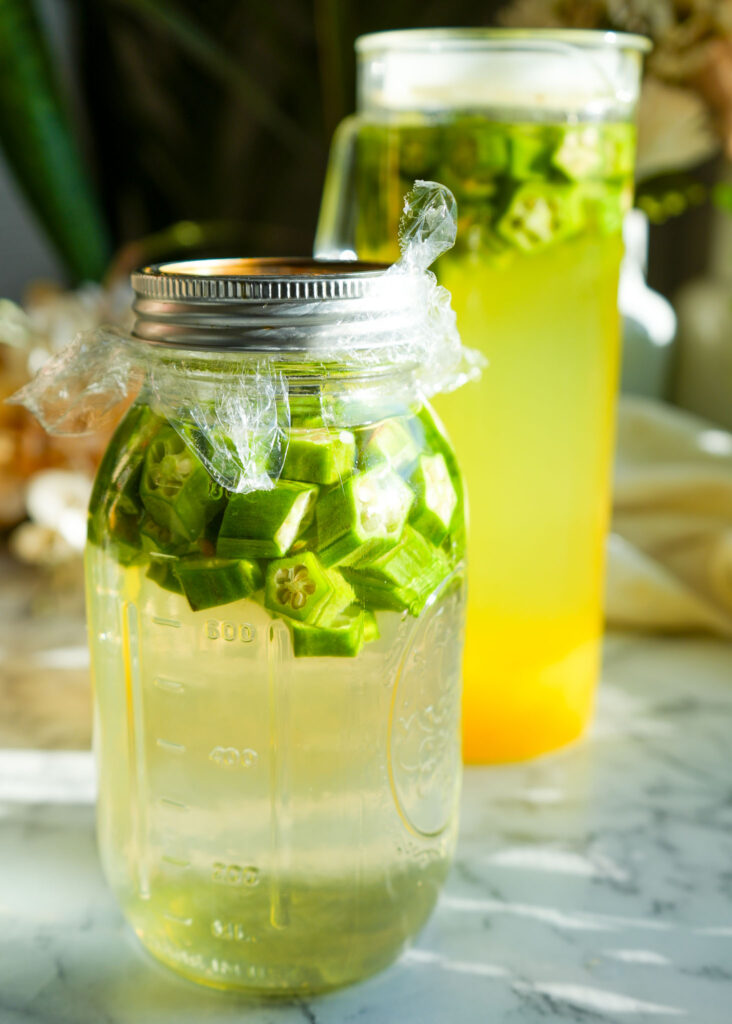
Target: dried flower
<point>28,337</point>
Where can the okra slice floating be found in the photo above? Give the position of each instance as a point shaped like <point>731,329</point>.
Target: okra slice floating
<point>319,456</point>
<point>115,505</point>
<point>390,443</point>
<point>344,638</point>
<point>436,498</point>
<point>209,582</point>
<point>161,569</point>
<point>265,524</point>
<point>539,214</point>
<point>176,489</point>
<point>529,151</point>
<point>302,588</point>
<point>402,578</point>
<point>365,515</point>
<point>579,155</point>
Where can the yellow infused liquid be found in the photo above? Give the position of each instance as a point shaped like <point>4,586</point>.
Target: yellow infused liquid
<point>533,278</point>
<point>535,441</point>
<point>271,823</point>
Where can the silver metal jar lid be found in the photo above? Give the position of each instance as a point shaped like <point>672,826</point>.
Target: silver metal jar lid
<point>270,304</point>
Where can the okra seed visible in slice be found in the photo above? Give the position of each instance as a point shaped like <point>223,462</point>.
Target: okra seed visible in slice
<point>579,154</point>
<point>539,214</point>
<point>436,498</point>
<point>301,588</point>
<point>294,586</point>
<point>265,524</point>
<point>319,456</point>
<point>176,489</point>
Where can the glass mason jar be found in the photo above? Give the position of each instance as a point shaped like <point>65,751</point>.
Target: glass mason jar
<point>276,670</point>
<point>533,132</point>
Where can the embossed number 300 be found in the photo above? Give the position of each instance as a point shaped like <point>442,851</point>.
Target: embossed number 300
<point>223,630</point>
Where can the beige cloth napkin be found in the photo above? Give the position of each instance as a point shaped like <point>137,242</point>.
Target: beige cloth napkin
<point>670,550</point>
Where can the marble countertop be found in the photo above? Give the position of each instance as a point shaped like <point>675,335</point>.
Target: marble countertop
<point>594,885</point>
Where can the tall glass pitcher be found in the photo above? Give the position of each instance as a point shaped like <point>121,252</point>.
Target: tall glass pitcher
<point>533,132</point>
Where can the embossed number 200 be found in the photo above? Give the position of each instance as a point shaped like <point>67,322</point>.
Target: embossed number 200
<point>224,630</point>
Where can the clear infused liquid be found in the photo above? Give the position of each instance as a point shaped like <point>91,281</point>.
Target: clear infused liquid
<point>266,822</point>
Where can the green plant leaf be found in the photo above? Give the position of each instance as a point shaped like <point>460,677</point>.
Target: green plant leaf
<point>193,40</point>
<point>40,148</point>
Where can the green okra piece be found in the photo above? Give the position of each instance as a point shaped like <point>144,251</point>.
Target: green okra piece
<point>209,582</point>
<point>302,588</point>
<point>529,152</point>
<point>401,579</point>
<point>115,508</point>
<point>366,514</point>
<point>176,488</point>
<point>538,214</point>
<point>436,498</point>
<point>579,154</point>
<point>265,524</point>
<point>344,638</point>
<point>161,569</point>
<point>319,456</point>
<point>390,443</point>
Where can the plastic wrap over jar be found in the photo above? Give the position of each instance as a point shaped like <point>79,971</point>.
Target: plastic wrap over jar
<point>232,406</point>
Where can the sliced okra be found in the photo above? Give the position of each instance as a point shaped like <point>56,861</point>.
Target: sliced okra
<point>539,214</point>
<point>529,151</point>
<point>390,443</point>
<point>344,638</point>
<point>265,524</point>
<point>607,205</point>
<point>366,514</point>
<point>302,588</point>
<point>161,569</point>
<point>176,489</point>
<point>319,456</point>
<point>209,582</point>
<point>402,578</point>
<point>436,498</point>
<point>115,505</point>
<point>579,154</point>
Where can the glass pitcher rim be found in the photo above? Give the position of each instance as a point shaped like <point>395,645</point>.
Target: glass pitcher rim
<point>497,38</point>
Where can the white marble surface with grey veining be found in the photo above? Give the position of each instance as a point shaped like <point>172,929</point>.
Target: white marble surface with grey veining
<point>595,885</point>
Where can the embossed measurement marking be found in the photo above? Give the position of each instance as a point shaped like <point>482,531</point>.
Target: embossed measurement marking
<point>217,629</point>
<point>174,748</point>
<point>177,804</point>
<point>171,685</point>
<point>235,874</point>
<point>176,862</point>
<point>232,757</point>
<point>160,621</point>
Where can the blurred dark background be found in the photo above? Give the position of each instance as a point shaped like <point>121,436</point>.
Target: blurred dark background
<point>121,118</point>
<point>207,111</point>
